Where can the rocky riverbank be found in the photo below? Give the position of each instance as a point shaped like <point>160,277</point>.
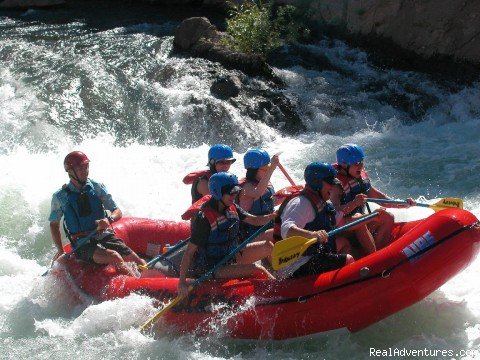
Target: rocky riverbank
<point>430,29</point>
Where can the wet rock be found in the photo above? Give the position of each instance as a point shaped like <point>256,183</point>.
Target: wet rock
<point>164,75</point>
<point>198,37</point>
<point>191,30</point>
<point>225,87</point>
<point>237,82</point>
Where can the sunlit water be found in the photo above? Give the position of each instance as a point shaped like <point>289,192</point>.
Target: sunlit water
<point>67,83</point>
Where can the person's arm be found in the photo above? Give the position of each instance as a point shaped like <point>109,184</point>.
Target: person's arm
<point>377,194</point>
<point>320,235</point>
<point>107,221</point>
<point>200,233</point>
<point>202,187</point>
<point>54,218</point>
<point>255,220</point>
<point>57,238</point>
<point>259,220</point>
<point>109,204</point>
<point>184,266</point>
<point>335,196</point>
<point>296,215</point>
<point>255,192</point>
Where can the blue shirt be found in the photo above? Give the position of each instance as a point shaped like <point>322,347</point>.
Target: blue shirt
<point>60,199</point>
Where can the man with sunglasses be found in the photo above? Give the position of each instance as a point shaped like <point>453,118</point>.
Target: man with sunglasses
<point>310,214</point>
<point>83,203</point>
<point>350,197</point>
<point>215,233</point>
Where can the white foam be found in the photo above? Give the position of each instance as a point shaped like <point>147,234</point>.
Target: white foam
<point>108,316</point>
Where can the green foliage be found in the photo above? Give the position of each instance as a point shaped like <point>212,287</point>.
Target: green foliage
<point>290,23</point>
<point>256,28</point>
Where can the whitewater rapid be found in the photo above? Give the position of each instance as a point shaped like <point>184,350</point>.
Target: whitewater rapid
<point>66,84</point>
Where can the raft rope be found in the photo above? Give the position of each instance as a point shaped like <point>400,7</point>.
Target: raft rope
<point>384,274</point>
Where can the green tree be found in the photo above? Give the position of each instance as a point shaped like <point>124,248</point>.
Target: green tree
<point>258,28</point>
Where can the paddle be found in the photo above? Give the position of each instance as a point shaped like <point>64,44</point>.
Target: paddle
<point>286,252</point>
<point>81,242</point>
<point>444,203</point>
<point>205,276</point>
<point>282,194</point>
<point>157,258</point>
<point>284,171</point>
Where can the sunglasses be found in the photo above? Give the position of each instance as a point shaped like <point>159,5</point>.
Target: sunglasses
<point>223,162</point>
<point>230,190</point>
<point>330,180</point>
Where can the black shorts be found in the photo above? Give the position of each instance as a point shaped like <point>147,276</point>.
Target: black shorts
<point>319,263</point>
<point>110,242</point>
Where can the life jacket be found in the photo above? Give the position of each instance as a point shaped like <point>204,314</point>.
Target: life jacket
<point>193,178</point>
<point>324,216</point>
<point>282,194</point>
<point>197,205</point>
<point>223,238</point>
<point>262,206</point>
<point>352,187</point>
<point>81,209</point>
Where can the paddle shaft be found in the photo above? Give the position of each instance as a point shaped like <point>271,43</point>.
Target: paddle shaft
<point>353,223</point>
<point>81,242</point>
<point>207,274</point>
<point>282,169</point>
<point>170,305</point>
<point>170,251</point>
<point>391,201</point>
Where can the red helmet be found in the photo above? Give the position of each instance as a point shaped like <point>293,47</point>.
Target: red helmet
<point>75,158</point>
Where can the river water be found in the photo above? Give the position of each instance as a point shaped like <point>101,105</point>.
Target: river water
<point>87,79</point>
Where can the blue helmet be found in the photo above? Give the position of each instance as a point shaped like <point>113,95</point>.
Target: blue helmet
<point>317,172</point>
<point>255,158</point>
<point>220,152</point>
<point>350,154</point>
<point>223,183</point>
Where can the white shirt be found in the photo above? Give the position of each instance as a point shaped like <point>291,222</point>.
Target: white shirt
<point>299,212</point>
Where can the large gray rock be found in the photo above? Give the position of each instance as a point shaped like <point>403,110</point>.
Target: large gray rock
<point>24,4</point>
<point>426,27</point>
<point>226,86</point>
<point>200,38</point>
<point>191,30</point>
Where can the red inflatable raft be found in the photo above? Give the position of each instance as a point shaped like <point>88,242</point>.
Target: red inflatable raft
<point>424,255</point>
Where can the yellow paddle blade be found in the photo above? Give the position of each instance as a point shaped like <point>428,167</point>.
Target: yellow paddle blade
<point>449,202</point>
<point>155,317</point>
<point>286,252</point>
